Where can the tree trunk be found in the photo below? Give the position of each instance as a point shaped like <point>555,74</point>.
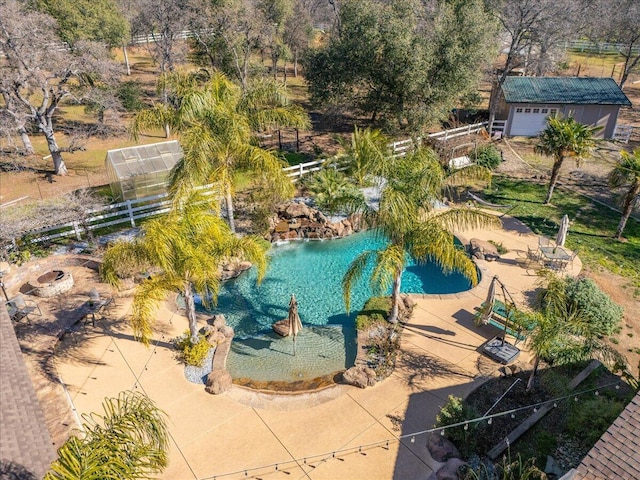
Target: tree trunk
<point>555,173</point>
<point>629,200</point>
<point>536,363</point>
<point>126,59</point>
<point>274,66</point>
<point>26,141</point>
<point>395,299</point>
<point>295,63</point>
<point>190,306</point>
<point>229,202</point>
<point>56,155</point>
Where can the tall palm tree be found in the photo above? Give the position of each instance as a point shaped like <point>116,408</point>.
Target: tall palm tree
<point>217,123</point>
<point>187,248</point>
<point>627,173</point>
<point>128,441</point>
<point>406,218</point>
<point>562,138</point>
<point>563,333</point>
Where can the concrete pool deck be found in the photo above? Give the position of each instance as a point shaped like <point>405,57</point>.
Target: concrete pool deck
<point>295,436</point>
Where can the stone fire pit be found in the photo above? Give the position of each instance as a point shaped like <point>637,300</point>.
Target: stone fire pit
<point>52,283</point>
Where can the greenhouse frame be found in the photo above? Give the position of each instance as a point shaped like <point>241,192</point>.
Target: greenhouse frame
<point>141,171</point>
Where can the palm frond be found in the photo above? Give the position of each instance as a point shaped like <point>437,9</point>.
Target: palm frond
<point>145,303</point>
<point>388,267</point>
<point>353,274</point>
<point>456,219</point>
<point>122,257</point>
<point>156,117</point>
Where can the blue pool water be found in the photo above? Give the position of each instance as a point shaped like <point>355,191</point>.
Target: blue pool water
<point>313,271</point>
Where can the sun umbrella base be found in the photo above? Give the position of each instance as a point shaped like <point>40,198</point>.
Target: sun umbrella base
<point>500,350</point>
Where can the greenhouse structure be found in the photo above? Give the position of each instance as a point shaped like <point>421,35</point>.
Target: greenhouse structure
<point>142,171</point>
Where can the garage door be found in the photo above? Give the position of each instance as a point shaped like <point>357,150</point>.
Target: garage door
<point>529,122</point>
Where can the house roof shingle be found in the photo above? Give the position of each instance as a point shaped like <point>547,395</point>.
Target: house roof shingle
<point>25,444</point>
<point>564,90</point>
<point>617,453</point>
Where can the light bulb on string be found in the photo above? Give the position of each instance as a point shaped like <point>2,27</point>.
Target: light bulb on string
<point>618,387</point>
<point>555,404</point>
<point>535,409</point>
<point>597,393</point>
<point>466,426</point>
<point>490,421</point>
<point>513,415</point>
<point>413,439</point>
<point>442,432</point>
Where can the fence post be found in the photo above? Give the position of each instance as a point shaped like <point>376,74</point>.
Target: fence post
<point>77,230</point>
<point>301,170</point>
<point>130,212</point>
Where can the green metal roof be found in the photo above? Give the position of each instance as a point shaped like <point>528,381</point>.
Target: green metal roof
<point>564,90</point>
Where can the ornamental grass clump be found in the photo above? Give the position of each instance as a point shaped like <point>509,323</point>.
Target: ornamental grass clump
<point>189,353</point>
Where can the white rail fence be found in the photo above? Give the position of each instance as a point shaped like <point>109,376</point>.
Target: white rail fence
<point>118,213</point>
<point>399,148</point>
<point>131,210</point>
<point>601,47</point>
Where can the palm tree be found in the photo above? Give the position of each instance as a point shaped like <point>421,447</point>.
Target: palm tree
<point>366,154</point>
<point>187,248</point>
<point>407,219</point>
<point>128,441</point>
<point>217,123</point>
<point>564,137</point>
<point>627,173</point>
<point>563,333</point>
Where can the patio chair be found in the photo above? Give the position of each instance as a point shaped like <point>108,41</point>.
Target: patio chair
<point>20,307</point>
<point>544,241</point>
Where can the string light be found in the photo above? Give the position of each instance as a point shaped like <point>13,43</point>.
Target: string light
<point>411,436</point>
<point>535,409</point>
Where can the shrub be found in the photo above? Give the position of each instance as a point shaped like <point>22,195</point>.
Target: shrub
<point>591,417</point>
<point>129,94</point>
<point>376,310</point>
<point>189,353</point>
<point>456,411</point>
<point>605,314</point>
<point>487,156</point>
<point>332,190</point>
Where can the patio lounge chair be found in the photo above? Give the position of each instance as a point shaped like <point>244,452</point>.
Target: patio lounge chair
<point>20,307</point>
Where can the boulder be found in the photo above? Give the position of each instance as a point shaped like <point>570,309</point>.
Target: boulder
<point>408,302</point>
<point>449,471</point>
<point>360,376</point>
<point>206,330</point>
<point>441,448</point>
<point>219,381</point>
<point>216,337</point>
<point>296,210</point>
<point>227,331</point>
<point>218,321</point>
<point>483,250</point>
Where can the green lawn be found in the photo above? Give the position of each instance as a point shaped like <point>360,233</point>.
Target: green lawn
<point>591,229</point>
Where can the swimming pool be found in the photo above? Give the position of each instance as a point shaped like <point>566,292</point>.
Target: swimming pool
<point>312,270</point>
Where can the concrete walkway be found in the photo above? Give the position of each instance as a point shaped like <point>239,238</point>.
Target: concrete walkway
<point>295,436</point>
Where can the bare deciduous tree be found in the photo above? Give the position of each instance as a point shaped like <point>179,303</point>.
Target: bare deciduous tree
<point>617,21</point>
<point>38,72</point>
